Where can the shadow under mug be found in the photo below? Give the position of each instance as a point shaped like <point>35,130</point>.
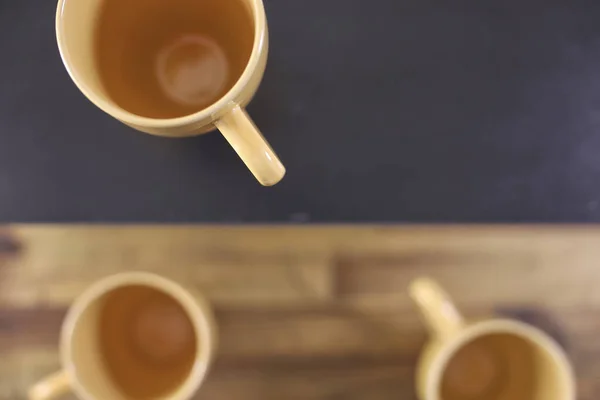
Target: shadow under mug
<point>494,359</point>
<point>75,22</point>
<point>84,365</point>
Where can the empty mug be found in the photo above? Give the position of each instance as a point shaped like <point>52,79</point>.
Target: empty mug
<point>133,336</point>
<point>493,359</point>
<point>173,68</point>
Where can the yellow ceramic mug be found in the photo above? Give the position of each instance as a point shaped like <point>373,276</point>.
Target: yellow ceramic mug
<point>75,26</point>
<point>132,333</point>
<point>493,359</point>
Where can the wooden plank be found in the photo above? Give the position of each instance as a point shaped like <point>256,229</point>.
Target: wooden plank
<point>307,312</point>
<point>53,268</point>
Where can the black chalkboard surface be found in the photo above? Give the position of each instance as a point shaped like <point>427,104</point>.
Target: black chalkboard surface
<point>382,111</point>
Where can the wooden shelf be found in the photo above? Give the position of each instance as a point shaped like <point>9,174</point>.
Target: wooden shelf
<point>307,312</point>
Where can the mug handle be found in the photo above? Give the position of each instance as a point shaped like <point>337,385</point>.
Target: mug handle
<point>51,387</point>
<point>251,146</point>
<point>437,309</point>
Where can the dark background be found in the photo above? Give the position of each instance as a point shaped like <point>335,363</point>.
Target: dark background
<point>381,110</point>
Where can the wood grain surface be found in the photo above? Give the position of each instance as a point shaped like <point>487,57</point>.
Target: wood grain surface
<point>307,312</point>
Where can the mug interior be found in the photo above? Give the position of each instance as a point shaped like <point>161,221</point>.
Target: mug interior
<point>503,363</point>
<point>76,23</point>
<point>85,357</point>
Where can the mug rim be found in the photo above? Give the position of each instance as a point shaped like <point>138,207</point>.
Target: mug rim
<point>476,330</point>
<point>196,309</point>
<point>259,18</point>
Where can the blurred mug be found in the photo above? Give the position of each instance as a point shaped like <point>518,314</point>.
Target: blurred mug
<point>76,29</point>
<point>132,336</point>
<point>494,359</point>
